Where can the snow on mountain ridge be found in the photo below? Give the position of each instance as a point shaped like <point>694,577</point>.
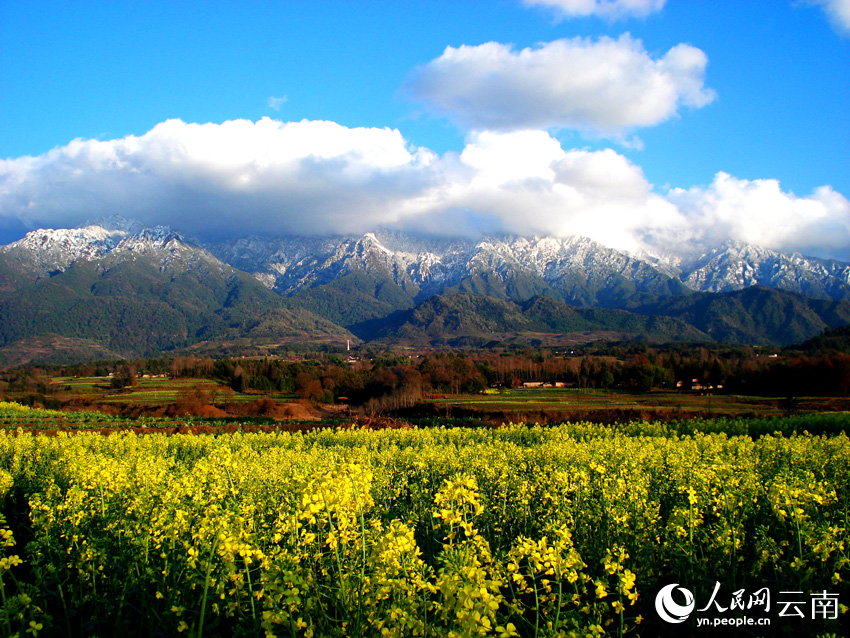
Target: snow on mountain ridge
<point>427,265</point>
<point>432,263</point>
<point>422,263</point>
<point>56,249</point>
<point>47,251</point>
<point>734,265</point>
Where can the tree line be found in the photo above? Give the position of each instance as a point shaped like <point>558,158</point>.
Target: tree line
<point>402,380</point>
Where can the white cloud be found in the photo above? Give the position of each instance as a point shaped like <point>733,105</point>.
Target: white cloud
<point>271,177</point>
<point>523,182</point>
<point>605,87</point>
<point>759,212</point>
<point>838,12</point>
<point>308,176</point>
<point>276,102</point>
<point>608,9</point>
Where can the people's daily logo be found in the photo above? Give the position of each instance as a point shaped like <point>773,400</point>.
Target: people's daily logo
<point>745,608</point>
<point>671,611</point>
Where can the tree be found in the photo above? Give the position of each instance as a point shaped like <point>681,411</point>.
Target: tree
<point>308,387</point>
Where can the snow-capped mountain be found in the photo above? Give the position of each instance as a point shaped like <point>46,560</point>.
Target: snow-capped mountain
<point>117,290</point>
<point>424,266</point>
<point>47,251</point>
<point>577,269</point>
<point>735,266</point>
<point>136,290</point>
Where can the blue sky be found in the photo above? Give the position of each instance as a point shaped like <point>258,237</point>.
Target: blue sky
<point>739,128</point>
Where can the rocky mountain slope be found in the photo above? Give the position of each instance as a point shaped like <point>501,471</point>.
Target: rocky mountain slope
<point>735,266</point>
<point>47,252</point>
<point>403,270</point>
<point>581,270</point>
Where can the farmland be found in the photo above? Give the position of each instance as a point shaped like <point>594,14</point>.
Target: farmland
<point>521,530</point>
<point>166,403</point>
<point>677,404</point>
<point>209,398</point>
<point>157,391</point>
<point>14,418</point>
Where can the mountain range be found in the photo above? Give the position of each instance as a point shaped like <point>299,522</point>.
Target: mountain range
<point>114,288</point>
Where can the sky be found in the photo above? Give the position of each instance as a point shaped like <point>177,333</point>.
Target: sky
<point>660,126</point>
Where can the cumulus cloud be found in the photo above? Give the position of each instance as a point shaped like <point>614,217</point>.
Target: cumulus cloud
<point>759,212</point>
<point>838,12</point>
<point>605,86</point>
<point>320,177</point>
<point>608,9</point>
<point>239,176</point>
<point>312,177</point>
<point>523,182</point>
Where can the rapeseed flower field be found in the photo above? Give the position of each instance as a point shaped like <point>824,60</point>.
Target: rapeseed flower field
<point>569,530</point>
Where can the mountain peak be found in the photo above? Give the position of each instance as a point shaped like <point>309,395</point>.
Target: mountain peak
<point>735,265</point>
<point>579,269</point>
<point>47,251</point>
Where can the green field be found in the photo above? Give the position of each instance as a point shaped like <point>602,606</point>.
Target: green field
<point>525,400</point>
<point>152,391</point>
